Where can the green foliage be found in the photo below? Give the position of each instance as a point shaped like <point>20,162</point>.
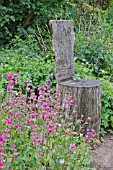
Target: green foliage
<point>107,106</point>
<point>94,48</point>
<point>26,58</point>
<point>16,16</point>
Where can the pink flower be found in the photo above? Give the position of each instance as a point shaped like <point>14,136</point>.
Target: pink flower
<point>48,87</point>
<point>28,121</point>
<point>50,125</point>
<point>9,122</point>
<point>30,90</point>
<point>1,149</point>
<point>61,161</point>
<point>90,134</point>
<point>87,139</point>
<point>16,126</point>
<point>13,146</point>
<point>40,153</point>
<point>36,140</point>
<point>48,109</point>
<point>44,106</point>
<point>32,127</point>
<point>72,146</point>
<point>50,130</point>
<point>16,115</point>
<point>42,141</point>
<point>9,88</point>
<point>41,89</point>
<point>2,139</point>
<point>1,164</point>
<point>32,116</point>
<point>92,130</point>
<point>10,113</point>
<point>5,131</point>
<point>15,75</point>
<point>43,116</point>
<point>16,154</point>
<point>71,103</point>
<point>9,77</point>
<point>48,80</point>
<point>12,82</point>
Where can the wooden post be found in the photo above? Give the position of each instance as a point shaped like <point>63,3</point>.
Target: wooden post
<point>86,93</point>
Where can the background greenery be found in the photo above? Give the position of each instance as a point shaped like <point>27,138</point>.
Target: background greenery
<point>26,47</point>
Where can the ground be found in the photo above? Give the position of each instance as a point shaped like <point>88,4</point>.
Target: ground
<point>102,156</point>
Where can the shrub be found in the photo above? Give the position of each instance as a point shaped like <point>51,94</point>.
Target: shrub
<point>20,15</point>
<point>94,47</point>
<point>34,134</point>
<point>26,58</point>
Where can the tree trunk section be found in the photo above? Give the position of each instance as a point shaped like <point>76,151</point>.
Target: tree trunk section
<point>87,98</point>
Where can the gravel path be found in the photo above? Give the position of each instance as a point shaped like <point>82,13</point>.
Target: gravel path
<point>103,154</point>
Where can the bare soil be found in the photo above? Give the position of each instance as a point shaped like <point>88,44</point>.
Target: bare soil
<point>102,156</point>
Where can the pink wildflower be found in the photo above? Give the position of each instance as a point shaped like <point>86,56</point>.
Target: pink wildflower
<point>43,116</point>
<point>51,125</point>
<point>71,103</point>
<point>1,164</point>
<point>42,141</point>
<point>32,127</point>
<point>12,82</point>
<point>16,154</point>
<point>32,116</point>
<point>40,153</point>
<point>13,146</point>
<point>50,130</point>
<point>9,88</point>
<point>2,139</point>
<point>87,139</point>
<point>72,146</point>
<point>1,149</point>
<point>61,161</point>
<point>41,89</point>
<point>44,106</point>
<point>36,140</point>
<point>5,131</point>
<point>10,113</point>
<point>9,77</point>
<point>9,122</point>
<point>28,121</point>
<point>90,134</point>
<point>16,126</point>
<point>48,80</point>
<point>30,90</point>
<point>48,87</point>
<point>15,75</point>
<point>92,130</point>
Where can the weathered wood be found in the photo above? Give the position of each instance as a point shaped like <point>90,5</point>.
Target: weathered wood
<point>87,97</point>
<point>86,93</point>
<point>63,43</point>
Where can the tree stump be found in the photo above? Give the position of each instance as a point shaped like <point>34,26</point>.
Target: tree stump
<point>86,93</point>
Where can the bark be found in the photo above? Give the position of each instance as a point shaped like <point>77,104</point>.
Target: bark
<point>63,43</point>
<point>86,93</point>
<point>87,98</point>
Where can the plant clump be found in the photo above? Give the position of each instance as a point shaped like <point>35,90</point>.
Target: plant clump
<point>34,133</point>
